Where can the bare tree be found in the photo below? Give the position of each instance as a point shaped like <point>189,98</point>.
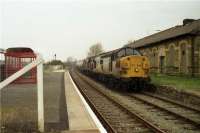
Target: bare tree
<point>70,61</point>
<point>95,49</point>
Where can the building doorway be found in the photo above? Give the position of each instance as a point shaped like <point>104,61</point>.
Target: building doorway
<point>183,63</point>
<point>162,64</point>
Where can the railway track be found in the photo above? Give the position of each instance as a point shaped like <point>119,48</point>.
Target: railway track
<point>172,101</point>
<point>116,117</point>
<point>165,114</point>
<point>186,112</point>
<point>185,118</point>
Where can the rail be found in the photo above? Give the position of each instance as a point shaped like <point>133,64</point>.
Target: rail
<point>109,127</point>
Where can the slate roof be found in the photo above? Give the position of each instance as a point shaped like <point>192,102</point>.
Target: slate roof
<point>190,28</point>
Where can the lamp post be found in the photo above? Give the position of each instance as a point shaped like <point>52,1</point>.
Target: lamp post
<point>54,56</point>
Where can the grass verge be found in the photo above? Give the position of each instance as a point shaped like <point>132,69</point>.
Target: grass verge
<point>179,82</point>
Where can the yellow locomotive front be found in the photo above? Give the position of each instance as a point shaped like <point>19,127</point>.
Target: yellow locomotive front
<point>134,66</point>
<point>133,69</point>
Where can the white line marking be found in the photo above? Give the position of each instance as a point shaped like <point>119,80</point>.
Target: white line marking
<point>94,117</point>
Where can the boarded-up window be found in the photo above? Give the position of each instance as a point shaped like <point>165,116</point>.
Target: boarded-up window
<point>171,56</point>
<point>183,62</point>
<point>172,60</point>
<point>155,58</point>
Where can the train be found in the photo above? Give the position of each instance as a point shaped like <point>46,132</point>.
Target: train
<point>125,67</point>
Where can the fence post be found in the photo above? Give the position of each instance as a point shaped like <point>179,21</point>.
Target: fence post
<point>40,97</point>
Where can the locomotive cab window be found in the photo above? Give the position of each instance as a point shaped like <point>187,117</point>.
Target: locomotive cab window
<point>129,51</point>
<point>135,52</point>
<point>121,53</point>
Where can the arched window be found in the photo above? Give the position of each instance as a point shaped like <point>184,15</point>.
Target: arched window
<point>183,61</point>
<point>171,56</point>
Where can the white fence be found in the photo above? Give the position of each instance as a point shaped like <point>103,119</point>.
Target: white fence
<point>39,63</point>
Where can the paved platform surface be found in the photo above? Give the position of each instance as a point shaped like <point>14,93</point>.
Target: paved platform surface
<point>79,119</point>
<point>19,105</point>
<point>64,110</point>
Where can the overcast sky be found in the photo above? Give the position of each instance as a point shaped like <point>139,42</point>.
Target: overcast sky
<point>69,28</point>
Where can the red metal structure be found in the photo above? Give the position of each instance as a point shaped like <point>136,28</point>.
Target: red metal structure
<point>17,58</point>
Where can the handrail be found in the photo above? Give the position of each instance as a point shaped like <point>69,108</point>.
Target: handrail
<point>39,63</point>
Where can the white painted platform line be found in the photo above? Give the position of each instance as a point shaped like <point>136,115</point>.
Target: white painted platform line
<point>92,114</point>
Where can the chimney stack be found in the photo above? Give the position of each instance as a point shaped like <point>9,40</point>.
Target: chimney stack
<point>188,21</point>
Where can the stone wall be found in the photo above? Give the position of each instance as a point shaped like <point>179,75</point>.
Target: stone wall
<point>197,54</point>
<point>174,56</point>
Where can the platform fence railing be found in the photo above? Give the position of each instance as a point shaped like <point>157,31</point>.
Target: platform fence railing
<point>39,64</point>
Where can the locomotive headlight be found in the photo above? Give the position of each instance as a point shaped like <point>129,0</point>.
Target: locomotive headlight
<point>139,64</point>
<point>125,65</point>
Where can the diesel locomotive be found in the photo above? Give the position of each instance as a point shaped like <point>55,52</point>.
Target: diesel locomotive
<point>125,67</point>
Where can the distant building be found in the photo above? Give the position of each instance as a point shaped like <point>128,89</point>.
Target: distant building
<point>54,65</point>
<point>173,51</point>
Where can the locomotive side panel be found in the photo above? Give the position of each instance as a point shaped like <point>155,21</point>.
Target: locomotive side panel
<point>116,68</point>
<point>98,65</point>
<point>105,63</point>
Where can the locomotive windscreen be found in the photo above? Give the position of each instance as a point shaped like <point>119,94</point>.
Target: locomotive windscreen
<point>131,51</point>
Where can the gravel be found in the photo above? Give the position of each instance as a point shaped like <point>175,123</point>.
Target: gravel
<point>160,118</point>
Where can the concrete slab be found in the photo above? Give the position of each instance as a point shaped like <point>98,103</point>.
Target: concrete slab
<point>78,116</point>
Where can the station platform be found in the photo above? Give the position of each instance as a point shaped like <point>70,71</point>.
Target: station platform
<point>65,110</point>
<point>80,117</point>
<point>19,105</point>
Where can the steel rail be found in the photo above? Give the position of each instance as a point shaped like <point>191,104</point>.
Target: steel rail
<point>105,123</point>
<point>139,118</point>
<point>172,102</point>
<point>196,124</point>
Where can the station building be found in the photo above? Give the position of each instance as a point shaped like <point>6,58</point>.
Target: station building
<point>173,51</point>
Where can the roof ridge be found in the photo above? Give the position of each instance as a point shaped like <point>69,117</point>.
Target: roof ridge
<point>168,33</point>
